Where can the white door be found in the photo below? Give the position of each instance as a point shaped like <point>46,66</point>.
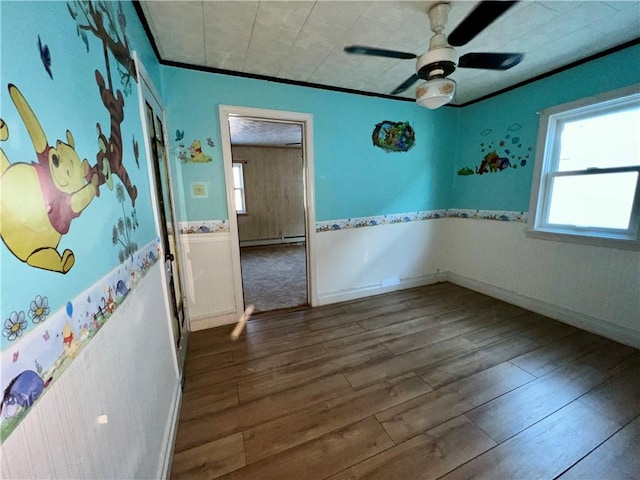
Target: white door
<point>156,141</point>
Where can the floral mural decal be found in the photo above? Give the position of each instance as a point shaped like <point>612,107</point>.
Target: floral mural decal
<point>53,347</point>
<point>40,337</point>
<point>14,325</point>
<point>499,154</point>
<point>393,136</point>
<point>123,229</point>
<point>39,309</point>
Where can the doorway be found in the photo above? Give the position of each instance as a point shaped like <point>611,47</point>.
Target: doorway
<point>268,178</point>
<point>155,138</point>
<point>268,161</point>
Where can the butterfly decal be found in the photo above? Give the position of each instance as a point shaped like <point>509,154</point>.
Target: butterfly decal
<point>15,356</point>
<point>210,142</point>
<point>136,151</point>
<point>179,135</point>
<point>46,336</point>
<point>45,56</point>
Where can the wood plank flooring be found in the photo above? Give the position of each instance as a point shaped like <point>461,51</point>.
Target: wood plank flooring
<point>432,382</point>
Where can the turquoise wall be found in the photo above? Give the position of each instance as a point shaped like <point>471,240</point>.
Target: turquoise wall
<point>352,177</point>
<point>514,116</point>
<point>68,99</point>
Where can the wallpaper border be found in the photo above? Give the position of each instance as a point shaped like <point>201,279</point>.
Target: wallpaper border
<point>359,222</point>
<point>203,226</point>
<point>222,226</point>
<point>57,338</point>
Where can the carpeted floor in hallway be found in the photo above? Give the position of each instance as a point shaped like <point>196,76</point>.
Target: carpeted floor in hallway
<point>274,276</point>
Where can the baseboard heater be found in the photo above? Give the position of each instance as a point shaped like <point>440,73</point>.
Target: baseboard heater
<point>272,241</point>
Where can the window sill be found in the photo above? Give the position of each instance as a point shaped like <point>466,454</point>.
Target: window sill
<point>596,241</point>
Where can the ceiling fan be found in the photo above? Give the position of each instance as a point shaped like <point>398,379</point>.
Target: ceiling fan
<point>442,59</point>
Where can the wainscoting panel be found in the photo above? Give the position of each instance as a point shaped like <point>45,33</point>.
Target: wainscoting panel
<point>112,412</point>
<point>273,179</point>
<point>209,278</point>
<point>590,287</point>
<point>359,262</point>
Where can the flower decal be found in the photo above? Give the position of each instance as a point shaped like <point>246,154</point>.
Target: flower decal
<point>14,326</point>
<point>39,309</point>
<point>446,88</point>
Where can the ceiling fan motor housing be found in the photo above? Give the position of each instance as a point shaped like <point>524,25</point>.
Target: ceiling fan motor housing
<point>440,61</point>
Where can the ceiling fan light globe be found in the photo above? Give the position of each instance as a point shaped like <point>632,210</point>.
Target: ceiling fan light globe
<point>445,59</point>
<point>435,93</point>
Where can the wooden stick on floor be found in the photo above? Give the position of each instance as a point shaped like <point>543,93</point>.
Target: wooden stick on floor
<point>242,321</point>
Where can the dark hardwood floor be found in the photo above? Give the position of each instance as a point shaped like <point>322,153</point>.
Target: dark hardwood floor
<point>432,382</point>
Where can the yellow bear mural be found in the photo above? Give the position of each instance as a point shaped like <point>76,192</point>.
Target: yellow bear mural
<point>39,200</point>
<point>197,155</point>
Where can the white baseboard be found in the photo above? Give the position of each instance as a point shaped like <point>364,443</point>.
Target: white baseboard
<point>204,322</point>
<point>377,289</point>
<point>171,431</point>
<point>271,241</point>
<point>604,328</point>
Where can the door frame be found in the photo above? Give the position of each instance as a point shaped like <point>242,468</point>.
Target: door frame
<point>143,76</point>
<point>306,121</point>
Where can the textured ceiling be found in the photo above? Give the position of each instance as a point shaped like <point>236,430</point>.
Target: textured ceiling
<point>256,132</point>
<point>304,40</point>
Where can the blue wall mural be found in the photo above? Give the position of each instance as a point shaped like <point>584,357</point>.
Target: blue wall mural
<point>508,126</point>
<point>77,224</point>
<point>352,177</point>
<point>77,240</point>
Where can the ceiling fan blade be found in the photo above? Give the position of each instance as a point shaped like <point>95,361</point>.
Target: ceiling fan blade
<point>490,61</point>
<point>378,52</point>
<point>406,84</point>
<point>479,19</point>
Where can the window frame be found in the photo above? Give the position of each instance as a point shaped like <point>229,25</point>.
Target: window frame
<point>545,171</point>
<point>240,165</point>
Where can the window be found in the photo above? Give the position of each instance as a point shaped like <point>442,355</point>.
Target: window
<point>238,188</point>
<point>587,174</point>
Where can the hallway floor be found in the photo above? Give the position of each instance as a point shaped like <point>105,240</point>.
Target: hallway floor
<point>432,382</point>
<point>274,276</point>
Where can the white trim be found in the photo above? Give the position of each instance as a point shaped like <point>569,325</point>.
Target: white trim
<point>306,120</point>
<point>171,432</point>
<point>271,241</point>
<point>379,289</point>
<point>604,328</point>
<point>546,163</point>
<point>596,241</point>
<point>240,167</point>
<point>143,77</point>
<point>203,322</point>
